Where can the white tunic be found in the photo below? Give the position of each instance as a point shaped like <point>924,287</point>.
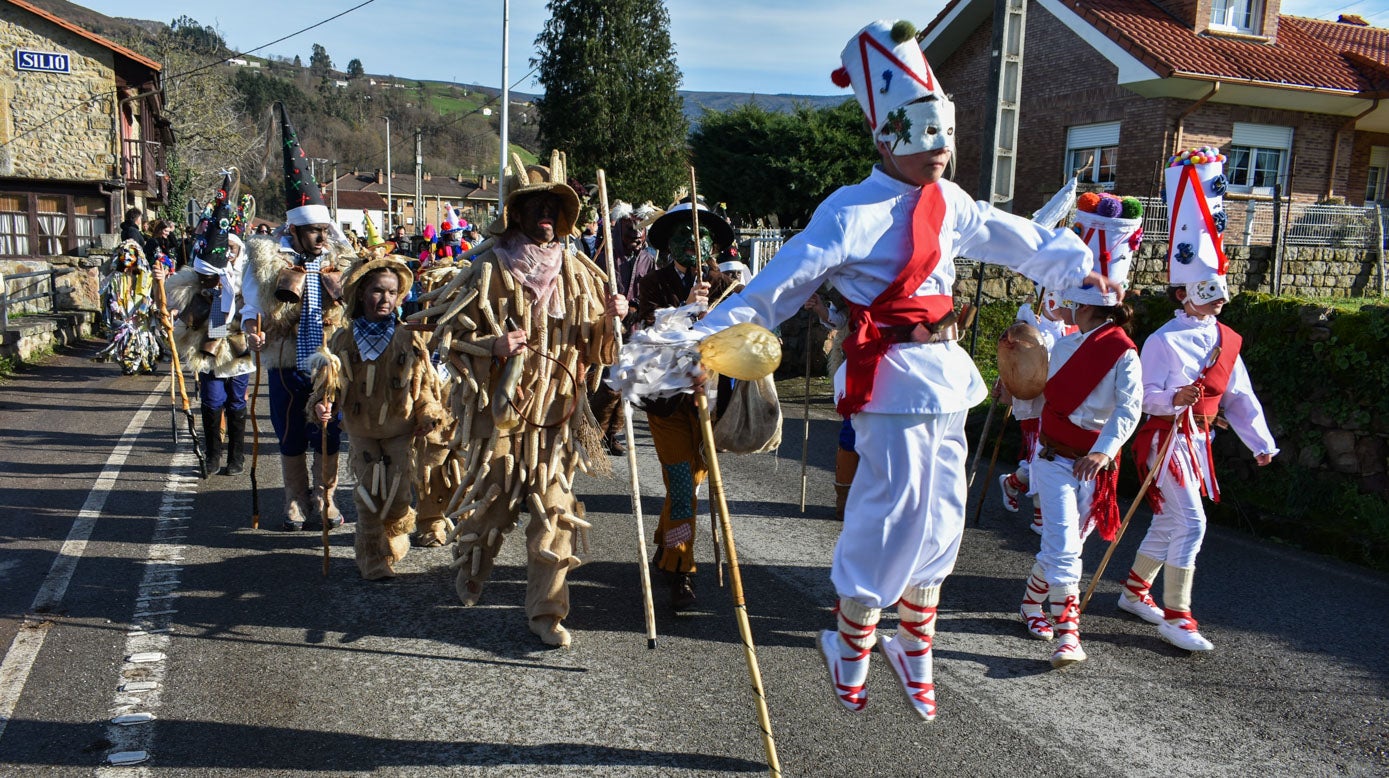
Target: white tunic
<point>860,240</point>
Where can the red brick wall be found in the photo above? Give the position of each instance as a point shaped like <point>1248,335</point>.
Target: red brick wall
<point>1358,162</point>
<point>1067,83</point>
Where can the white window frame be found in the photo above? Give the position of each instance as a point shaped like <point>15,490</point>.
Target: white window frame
<point>1243,16</point>
<point>1257,140</point>
<point>1098,141</point>
<point>1377,174</point>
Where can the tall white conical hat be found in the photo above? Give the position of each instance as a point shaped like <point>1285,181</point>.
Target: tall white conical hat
<point>891,79</point>
<point>1194,188</point>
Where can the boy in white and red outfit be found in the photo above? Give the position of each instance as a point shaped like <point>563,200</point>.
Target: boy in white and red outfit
<point>1091,406</point>
<point>886,244</point>
<point>1050,324</point>
<point>1192,371</point>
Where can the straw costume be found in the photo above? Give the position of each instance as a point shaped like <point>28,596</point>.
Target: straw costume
<point>524,421</point>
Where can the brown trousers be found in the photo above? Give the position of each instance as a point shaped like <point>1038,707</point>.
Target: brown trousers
<point>382,536</point>
<point>678,440</point>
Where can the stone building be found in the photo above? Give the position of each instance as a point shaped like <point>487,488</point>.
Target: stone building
<point>82,137</point>
<point>1112,87</point>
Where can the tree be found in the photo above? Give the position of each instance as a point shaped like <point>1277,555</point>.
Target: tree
<point>764,163</point>
<point>610,79</point>
<point>355,69</point>
<point>298,63</point>
<point>319,61</point>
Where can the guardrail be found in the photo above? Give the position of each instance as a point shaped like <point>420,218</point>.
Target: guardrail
<point>10,299</point>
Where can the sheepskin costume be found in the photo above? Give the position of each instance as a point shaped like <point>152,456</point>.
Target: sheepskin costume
<point>266,258</point>
<point>524,423</point>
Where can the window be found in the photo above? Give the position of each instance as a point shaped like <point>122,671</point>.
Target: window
<point>89,219</point>
<point>14,225</point>
<point>53,222</point>
<point>1092,153</point>
<point>1376,175</point>
<point>1236,15</point>
<point>1258,157</point>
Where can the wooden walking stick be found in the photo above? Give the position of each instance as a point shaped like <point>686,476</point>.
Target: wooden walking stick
<point>740,608</point>
<point>178,378</point>
<point>255,440</point>
<point>979,448</point>
<point>993,462</point>
<point>1133,508</point>
<point>626,409</point>
<point>329,397</point>
<point>805,412</point>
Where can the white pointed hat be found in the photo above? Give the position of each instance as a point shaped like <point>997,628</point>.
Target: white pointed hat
<point>1194,188</point>
<point>1112,228</point>
<point>892,81</point>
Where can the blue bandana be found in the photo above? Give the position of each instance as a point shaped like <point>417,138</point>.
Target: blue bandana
<point>372,336</point>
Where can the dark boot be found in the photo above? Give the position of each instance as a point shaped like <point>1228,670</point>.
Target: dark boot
<point>236,443</point>
<point>682,594</point>
<point>607,410</point>
<point>212,438</point>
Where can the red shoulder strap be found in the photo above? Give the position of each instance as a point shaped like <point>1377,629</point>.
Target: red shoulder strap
<point>1218,376</point>
<point>1076,379</point>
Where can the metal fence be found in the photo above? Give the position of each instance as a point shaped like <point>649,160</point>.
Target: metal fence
<point>1251,223</point>
<point>32,292</point>
<point>764,244</point>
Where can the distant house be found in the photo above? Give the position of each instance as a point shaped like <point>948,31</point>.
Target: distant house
<point>1112,87</point>
<point>355,205</point>
<point>476,200</point>
<point>69,166</point>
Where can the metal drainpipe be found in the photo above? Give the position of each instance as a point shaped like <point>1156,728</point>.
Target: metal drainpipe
<point>1336,147</point>
<point>1181,117</point>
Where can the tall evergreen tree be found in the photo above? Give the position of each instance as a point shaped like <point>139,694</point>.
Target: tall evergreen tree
<point>610,79</point>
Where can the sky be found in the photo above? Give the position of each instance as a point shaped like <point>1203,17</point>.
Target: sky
<point>766,47</point>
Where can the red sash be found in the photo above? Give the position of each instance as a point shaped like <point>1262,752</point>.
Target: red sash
<point>865,347</point>
<point>1076,379</point>
<point>1217,377</point>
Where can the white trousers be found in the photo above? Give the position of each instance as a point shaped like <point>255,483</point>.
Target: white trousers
<point>906,510</point>
<point>1065,500</point>
<point>1177,530</point>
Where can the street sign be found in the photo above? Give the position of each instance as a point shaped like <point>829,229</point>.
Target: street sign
<point>42,61</point>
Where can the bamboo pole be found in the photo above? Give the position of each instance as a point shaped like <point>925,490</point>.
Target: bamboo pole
<point>805,412</point>
<point>255,440</point>
<point>647,606</point>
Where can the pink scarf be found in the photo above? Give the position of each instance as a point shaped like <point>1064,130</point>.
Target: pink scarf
<point>536,267</point>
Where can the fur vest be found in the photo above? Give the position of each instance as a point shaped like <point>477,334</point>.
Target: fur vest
<point>280,320</point>
<point>229,356</point>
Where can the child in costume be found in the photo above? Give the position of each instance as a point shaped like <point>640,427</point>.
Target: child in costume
<point>1192,371</point>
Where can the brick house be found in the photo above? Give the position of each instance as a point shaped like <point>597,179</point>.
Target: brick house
<point>475,201</point>
<point>82,137</point>
<point>1115,86</point>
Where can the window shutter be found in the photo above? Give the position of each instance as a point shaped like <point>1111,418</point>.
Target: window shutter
<point>1264,136</point>
<point>1090,136</point>
<point>1379,156</point>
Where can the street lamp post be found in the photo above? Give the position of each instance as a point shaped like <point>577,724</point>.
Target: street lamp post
<point>390,211</point>
<point>506,99</point>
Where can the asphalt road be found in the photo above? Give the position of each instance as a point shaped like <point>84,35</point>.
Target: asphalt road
<point>130,588</point>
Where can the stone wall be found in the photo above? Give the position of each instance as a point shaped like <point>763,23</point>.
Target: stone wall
<point>1308,271</point>
<point>60,143</point>
<point>76,290</point>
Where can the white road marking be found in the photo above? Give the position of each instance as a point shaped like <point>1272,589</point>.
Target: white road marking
<point>24,649</point>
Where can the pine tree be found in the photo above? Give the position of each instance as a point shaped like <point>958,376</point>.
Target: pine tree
<point>610,79</point>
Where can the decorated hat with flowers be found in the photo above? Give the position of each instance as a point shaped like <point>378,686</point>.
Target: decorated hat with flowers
<point>1112,228</point>
<point>1194,188</point>
<point>905,104</point>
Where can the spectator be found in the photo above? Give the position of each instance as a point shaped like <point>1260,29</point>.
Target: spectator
<point>130,228</point>
<point>159,245</point>
<point>263,229</point>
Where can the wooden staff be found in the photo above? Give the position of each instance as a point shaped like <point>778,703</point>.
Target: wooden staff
<point>178,377</point>
<point>329,397</point>
<point>626,408</point>
<point>1137,500</point>
<point>979,449</point>
<point>255,440</point>
<point>740,609</point>
<point>993,462</point>
<point>805,412</point>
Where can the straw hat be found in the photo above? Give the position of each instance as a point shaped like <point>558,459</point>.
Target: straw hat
<point>361,269</point>
<point>525,180</point>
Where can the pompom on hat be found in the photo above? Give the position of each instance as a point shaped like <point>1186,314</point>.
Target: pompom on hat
<point>896,88</point>
<point>1194,187</point>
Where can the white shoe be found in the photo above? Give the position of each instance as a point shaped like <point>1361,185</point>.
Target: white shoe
<point>914,672</point>
<point>1183,634</point>
<point>1011,491</point>
<point>1068,652</point>
<point>1144,609</point>
<point>1038,625</point>
<point>1037,521</point>
<point>849,676</point>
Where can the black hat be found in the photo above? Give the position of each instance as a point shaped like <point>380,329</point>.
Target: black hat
<point>210,245</point>
<point>658,236</point>
<point>303,200</point>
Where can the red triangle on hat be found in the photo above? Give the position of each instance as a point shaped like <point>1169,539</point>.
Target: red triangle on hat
<point>864,41</point>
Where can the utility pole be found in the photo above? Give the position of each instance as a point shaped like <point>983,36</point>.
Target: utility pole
<point>419,183</point>
<point>335,190</point>
<point>506,102</point>
<point>390,210</point>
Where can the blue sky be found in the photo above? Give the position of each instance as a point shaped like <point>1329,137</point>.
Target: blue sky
<point>768,47</point>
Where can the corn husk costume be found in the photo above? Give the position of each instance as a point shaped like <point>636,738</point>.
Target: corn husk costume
<point>130,312</point>
<point>524,422</point>
<point>385,388</point>
<point>278,284</point>
<point>439,466</point>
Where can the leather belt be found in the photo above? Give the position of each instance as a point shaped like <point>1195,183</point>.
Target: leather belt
<point>923,332</point>
<point>1051,449</point>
